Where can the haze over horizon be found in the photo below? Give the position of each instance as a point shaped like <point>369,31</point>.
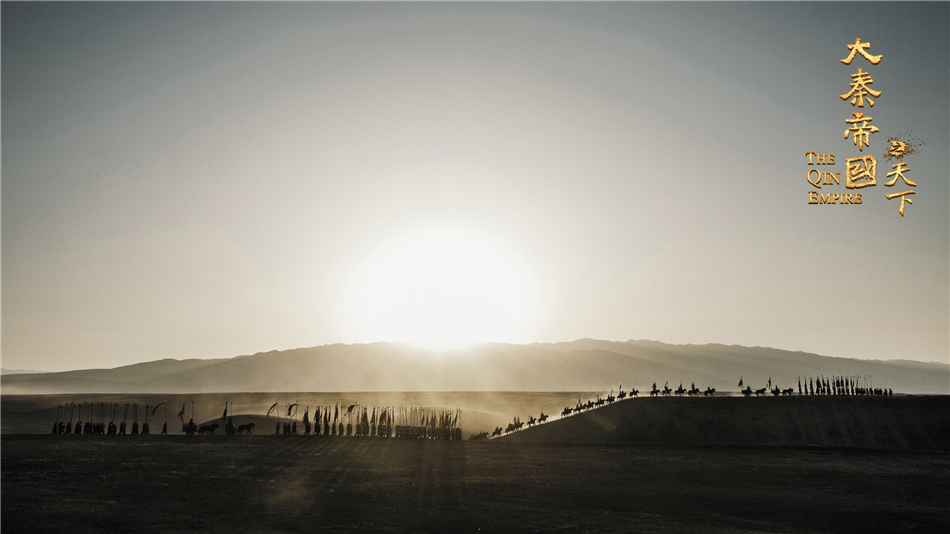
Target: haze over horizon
<point>582,365</point>
<point>449,353</point>
<point>207,180</point>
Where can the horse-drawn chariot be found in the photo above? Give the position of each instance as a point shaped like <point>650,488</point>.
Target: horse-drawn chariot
<point>190,428</point>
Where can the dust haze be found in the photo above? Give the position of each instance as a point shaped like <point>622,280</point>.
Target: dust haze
<point>582,365</point>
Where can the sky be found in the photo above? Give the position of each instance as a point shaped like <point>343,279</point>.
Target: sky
<point>205,180</point>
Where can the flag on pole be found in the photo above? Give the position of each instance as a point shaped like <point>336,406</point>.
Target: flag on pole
<point>156,408</point>
<point>225,414</point>
<point>271,410</point>
<point>770,383</point>
<point>740,381</point>
<point>290,408</point>
<point>181,414</point>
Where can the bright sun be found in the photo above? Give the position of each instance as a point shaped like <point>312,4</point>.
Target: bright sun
<point>442,288</point>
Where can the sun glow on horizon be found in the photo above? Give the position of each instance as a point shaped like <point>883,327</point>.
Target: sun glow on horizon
<point>442,288</point>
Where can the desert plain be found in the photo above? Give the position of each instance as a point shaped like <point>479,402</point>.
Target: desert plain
<point>625,479</point>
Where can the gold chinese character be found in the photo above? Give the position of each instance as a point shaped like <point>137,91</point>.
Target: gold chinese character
<point>860,89</point>
<point>859,47</point>
<point>899,169</point>
<point>903,199</point>
<point>899,149</point>
<point>862,134</point>
<point>860,172</point>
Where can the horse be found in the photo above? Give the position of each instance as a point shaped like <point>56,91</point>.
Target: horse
<point>567,411</point>
<point>666,391</point>
<point>710,392</point>
<point>245,429</point>
<point>543,418</point>
<point>497,432</point>
<point>531,420</point>
<point>207,429</point>
<point>634,393</point>
<point>760,392</point>
<point>747,392</point>
<point>694,392</point>
<point>788,392</point>
<point>680,391</point>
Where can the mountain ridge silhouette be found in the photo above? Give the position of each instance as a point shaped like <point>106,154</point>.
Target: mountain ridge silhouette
<point>581,365</point>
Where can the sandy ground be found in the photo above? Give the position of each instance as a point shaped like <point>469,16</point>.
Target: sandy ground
<point>300,484</point>
<point>720,465</point>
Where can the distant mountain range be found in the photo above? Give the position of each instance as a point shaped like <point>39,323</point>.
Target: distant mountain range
<point>18,371</point>
<point>582,365</point>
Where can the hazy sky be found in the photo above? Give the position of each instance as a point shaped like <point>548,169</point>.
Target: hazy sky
<point>203,180</point>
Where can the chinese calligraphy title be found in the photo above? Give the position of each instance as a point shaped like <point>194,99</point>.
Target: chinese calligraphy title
<point>861,171</point>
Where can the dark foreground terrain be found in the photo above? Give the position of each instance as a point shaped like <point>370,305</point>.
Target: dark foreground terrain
<point>305,484</point>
